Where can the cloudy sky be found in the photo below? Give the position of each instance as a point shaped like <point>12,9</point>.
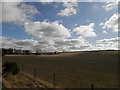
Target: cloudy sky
<point>60,26</point>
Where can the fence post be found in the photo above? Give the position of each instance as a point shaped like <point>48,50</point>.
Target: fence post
<point>34,72</point>
<point>92,86</point>
<point>54,79</point>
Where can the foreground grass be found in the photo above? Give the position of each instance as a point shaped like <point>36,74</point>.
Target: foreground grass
<point>73,71</point>
<point>21,81</point>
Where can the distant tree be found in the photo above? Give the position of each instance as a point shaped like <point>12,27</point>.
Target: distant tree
<point>28,52</point>
<point>10,68</point>
<point>3,52</point>
<point>55,52</point>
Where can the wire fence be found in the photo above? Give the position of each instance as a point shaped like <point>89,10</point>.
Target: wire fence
<point>52,77</point>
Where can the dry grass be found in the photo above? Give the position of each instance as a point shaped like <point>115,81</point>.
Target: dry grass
<point>22,81</point>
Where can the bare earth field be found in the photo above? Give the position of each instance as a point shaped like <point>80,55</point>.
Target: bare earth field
<point>72,70</point>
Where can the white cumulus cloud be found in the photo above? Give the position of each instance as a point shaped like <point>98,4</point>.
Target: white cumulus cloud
<point>7,42</point>
<point>110,40</point>
<point>26,44</point>
<point>17,12</point>
<point>85,30</point>
<point>77,44</point>
<point>70,9</point>
<point>47,30</point>
<point>108,43</point>
<point>105,32</point>
<point>67,12</point>
<point>110,6</point>
<point>111,23</point>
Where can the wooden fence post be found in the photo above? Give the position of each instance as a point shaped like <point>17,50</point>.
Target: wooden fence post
<point>54,79</point>
<point>92,86</point>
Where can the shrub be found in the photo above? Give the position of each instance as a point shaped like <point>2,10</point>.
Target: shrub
<point>10,68</point>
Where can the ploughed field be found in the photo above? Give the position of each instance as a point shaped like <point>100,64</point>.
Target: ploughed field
<point>72,70</point>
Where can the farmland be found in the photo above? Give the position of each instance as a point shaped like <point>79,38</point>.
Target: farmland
<point>72,70</point>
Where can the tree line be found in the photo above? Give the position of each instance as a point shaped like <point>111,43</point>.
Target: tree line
<point>10,51</point>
